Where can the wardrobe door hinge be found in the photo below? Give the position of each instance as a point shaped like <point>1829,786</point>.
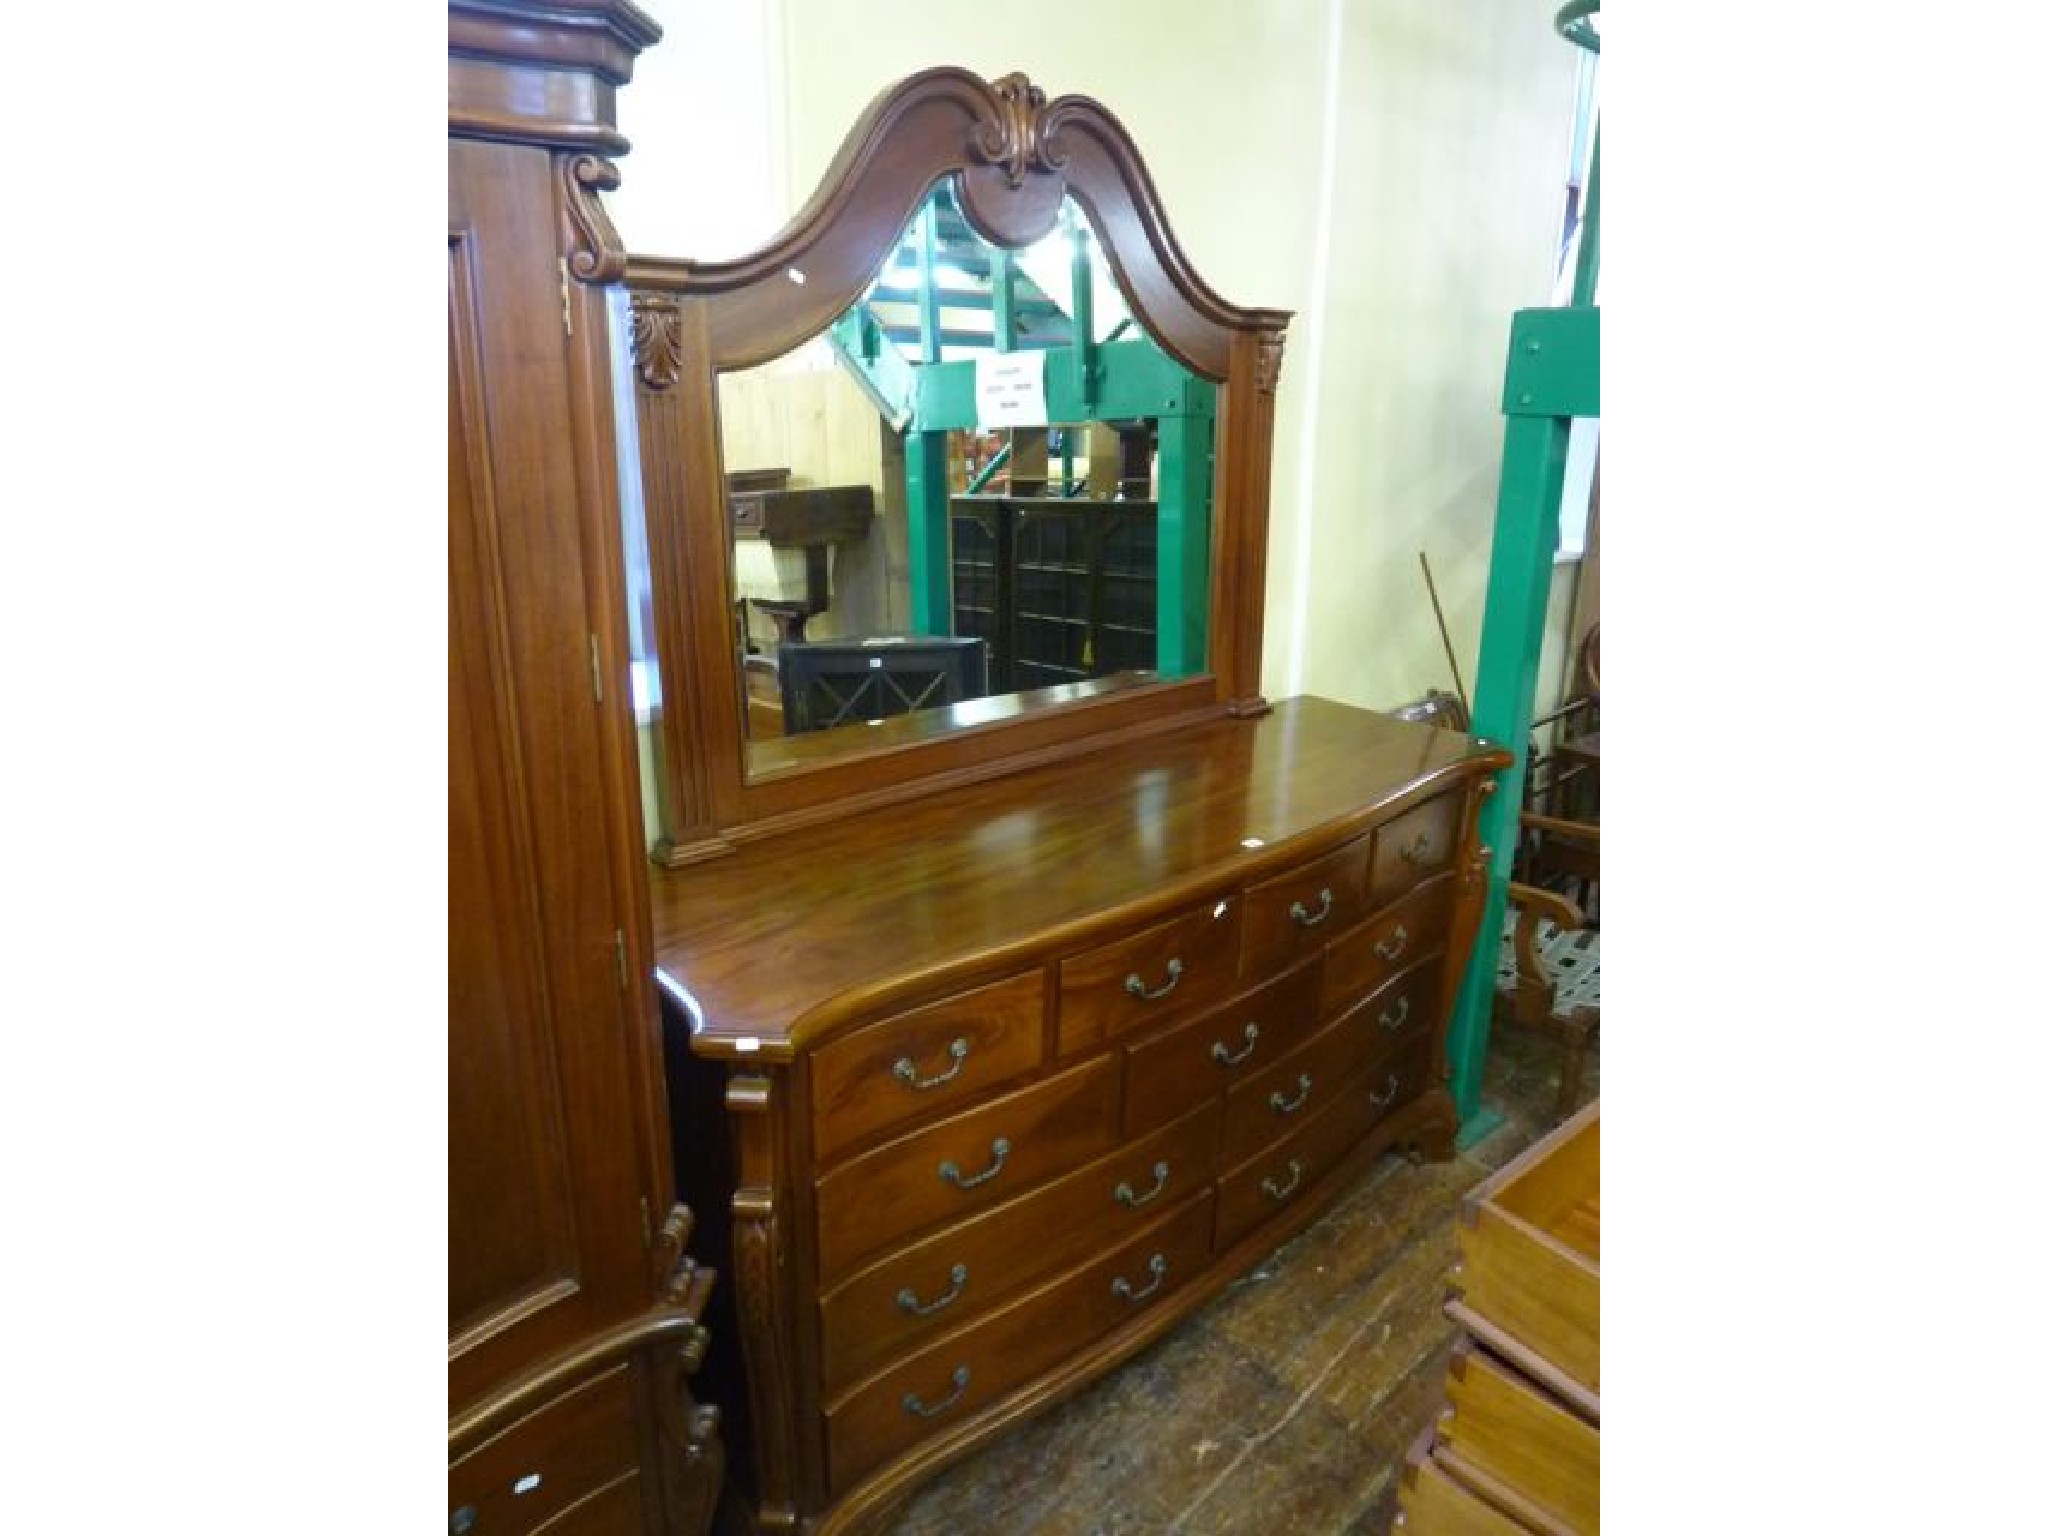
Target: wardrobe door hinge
<point>619,953</point>
<point>596,671</point>
<point>562,268</point>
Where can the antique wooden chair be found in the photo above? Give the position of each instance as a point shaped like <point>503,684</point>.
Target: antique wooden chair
<point>1547,975</point>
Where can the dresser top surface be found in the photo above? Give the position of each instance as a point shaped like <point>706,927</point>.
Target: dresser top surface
<point>962,883</point>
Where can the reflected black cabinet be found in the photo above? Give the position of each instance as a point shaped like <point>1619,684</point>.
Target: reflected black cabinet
<point>1060,588</point>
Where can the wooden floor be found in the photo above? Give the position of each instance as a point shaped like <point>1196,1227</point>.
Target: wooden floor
<point>1287,1404</point>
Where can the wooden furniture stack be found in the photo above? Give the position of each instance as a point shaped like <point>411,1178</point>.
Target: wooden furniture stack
<point>573,1305</point>
<point>1517,1448</point>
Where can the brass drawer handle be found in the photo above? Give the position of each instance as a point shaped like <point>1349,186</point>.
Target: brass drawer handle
<point>1282,1106</point>
<point>906,1299</point>
<point>1125,1195</point>
<point>905,1070</point>
<point>1303,916</point>
<point>1122,1287</point>
<point>950,1170</point>
<point>1135,985</point>
<point>1282,1191</point>
<point>1385,1097</point>
<point>1393,945</point>
<point>1418,848</point>
<point>1218,1054</point>
<point>1395,1016</point>
<point>912,1403</point>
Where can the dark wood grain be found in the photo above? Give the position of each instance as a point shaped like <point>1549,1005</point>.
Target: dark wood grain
<point>564,1307</point>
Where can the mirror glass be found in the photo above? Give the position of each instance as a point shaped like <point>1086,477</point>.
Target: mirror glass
<point>984,490</point>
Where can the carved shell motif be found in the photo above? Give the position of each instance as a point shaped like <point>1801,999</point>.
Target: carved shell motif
<point>1019,138</point>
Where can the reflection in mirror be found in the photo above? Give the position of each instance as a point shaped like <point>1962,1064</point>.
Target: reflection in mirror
<point>984,482</point>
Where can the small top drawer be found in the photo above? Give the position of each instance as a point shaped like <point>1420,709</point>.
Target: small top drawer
<point>1291,916</point>
<point>1414,846</point>
<point>965,1164</point>
<point>931,1058</point>
<point>556,1456</point>
<point>1146,977</point>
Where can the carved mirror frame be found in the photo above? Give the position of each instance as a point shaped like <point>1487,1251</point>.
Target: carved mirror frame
<point>1016,157</point>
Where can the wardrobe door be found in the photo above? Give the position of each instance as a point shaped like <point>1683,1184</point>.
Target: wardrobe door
<point>546,1221</point>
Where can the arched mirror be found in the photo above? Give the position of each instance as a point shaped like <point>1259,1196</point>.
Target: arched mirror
<point>965,469</point>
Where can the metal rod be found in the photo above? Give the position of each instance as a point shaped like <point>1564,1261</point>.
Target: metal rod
<point>1450,655</point>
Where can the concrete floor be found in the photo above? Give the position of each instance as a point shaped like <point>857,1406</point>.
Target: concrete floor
<point>1288,1403</point>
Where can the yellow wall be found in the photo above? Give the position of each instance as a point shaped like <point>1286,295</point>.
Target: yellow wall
<point>1390,170</point>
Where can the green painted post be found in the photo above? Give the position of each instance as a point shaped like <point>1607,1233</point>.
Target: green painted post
<point>1185,453</point>
<point>1002,278</point>
<point>927,510</point>
<point>1553,374</point>
<point>1084,319</point>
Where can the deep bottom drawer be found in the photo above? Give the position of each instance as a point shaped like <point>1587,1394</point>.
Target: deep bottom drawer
<point>950,1381</point>
<point>1433,1503</point>
<point>1509,1429</point>
<point>1286,1171</point>
<point>561,1468</point>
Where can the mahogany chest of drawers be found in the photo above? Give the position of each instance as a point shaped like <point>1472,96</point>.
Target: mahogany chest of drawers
<point>998,1087</point>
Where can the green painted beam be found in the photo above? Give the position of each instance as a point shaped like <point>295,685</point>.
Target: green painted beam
<point>1134,380</point>
<point>1553,363</point>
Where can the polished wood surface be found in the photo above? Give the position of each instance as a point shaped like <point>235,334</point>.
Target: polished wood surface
<point>1014,156</point>
<point>1530,1250</point>
<point>572,1302</point>
<point>1433,1503</point>
<point>981,880</point>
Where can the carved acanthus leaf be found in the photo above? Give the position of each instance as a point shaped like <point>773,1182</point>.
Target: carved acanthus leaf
<point>1019,137</point>
<point>657,339</point>
<point>1272,347</point>
<point>596,254</point>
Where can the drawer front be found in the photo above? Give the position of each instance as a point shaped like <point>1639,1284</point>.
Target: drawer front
<point>1192,1061</point>
<point>1413,846</point>
<point>1404,1010</point>
<point>1146,978</point>
<point>1322,1071</point>
<point>1418,926</point>
<point>927,1060</point>
<point>1506,1427</point>
<point>1292,917</point>
<point>915,1296</point>
<point>966,1164</point>
<point>956,1378</point>
<point>1286,1171</point>
<point>546,1464</point>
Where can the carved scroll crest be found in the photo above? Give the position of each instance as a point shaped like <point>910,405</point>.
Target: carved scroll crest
<point>1019,138</point>
<point>596,254</point>
<point>657,339</point>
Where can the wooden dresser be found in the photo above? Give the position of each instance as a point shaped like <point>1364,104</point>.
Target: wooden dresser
<point>574,1304</point>
<point>1019,1073</point>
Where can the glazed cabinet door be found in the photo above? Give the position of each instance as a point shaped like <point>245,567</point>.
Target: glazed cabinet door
<point>545,1174</point>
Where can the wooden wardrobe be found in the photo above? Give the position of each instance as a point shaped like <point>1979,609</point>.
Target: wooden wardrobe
<point>573,1301</point>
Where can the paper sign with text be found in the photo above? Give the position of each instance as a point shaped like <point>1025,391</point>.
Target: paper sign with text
<point>1009,389</point>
